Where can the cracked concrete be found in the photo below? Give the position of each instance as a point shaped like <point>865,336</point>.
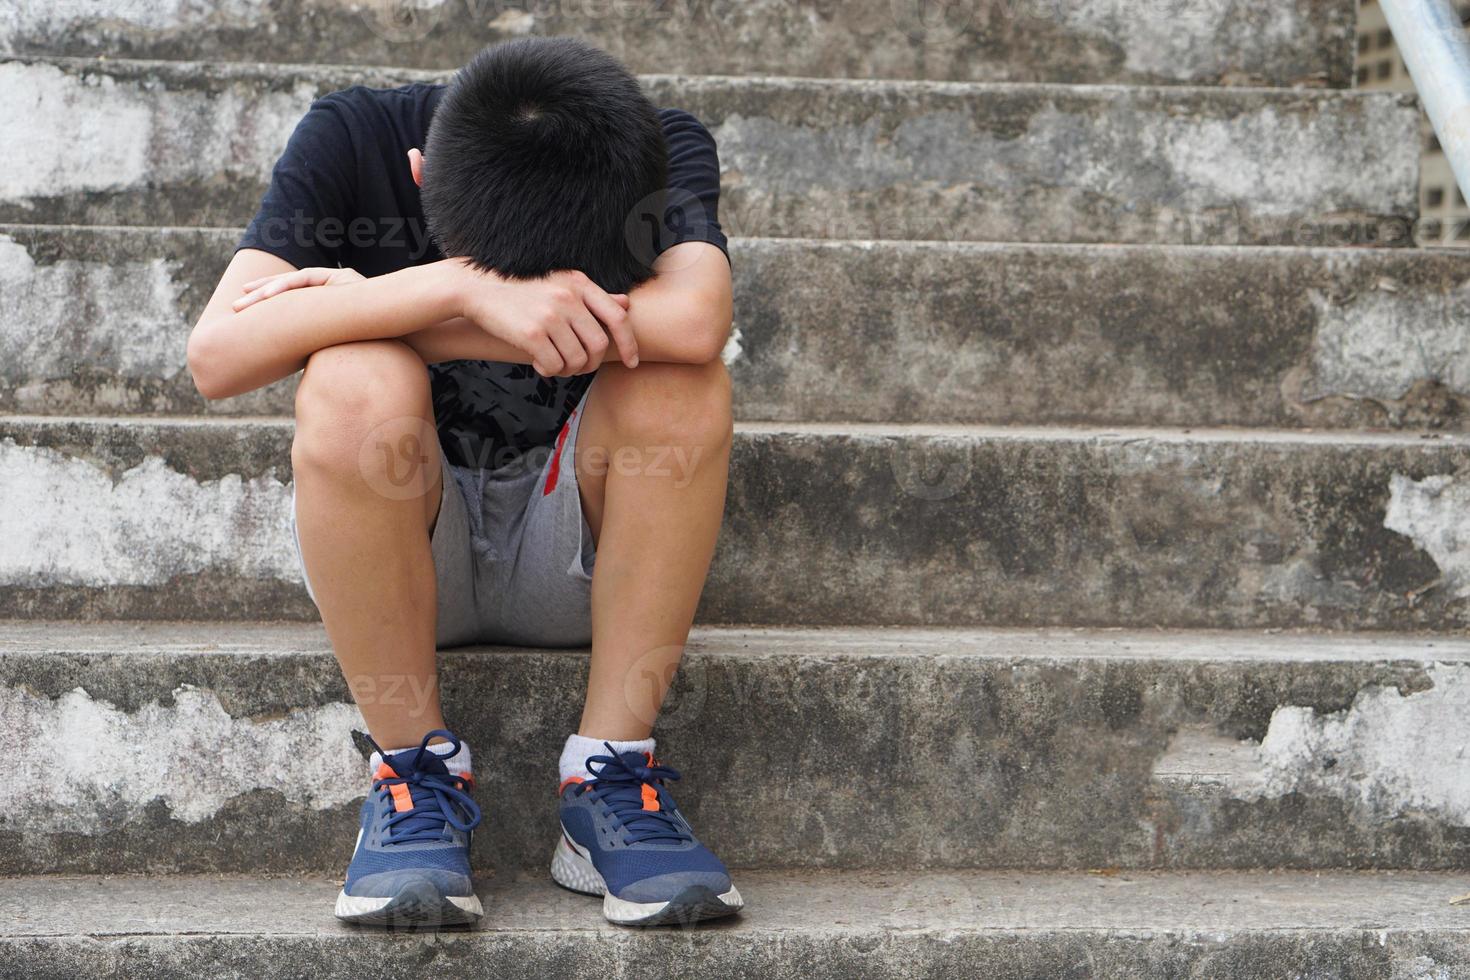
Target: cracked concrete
<point>67,522</point>
<point>1389,753</point>
<point>1042,748</point>
<point>1382,342</point>
<point>105,135</point>
<point>1052,164</point>
<point>913,525</point>
<point>1435,514</point>
<point>123,319</point>
<point>91,768</point>
<point>802,157</point>
<point>864,331</point>
<point>1395,754</point>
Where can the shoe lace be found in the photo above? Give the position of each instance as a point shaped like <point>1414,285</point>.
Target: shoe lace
<point>620,786</point>
<point>437,798</point>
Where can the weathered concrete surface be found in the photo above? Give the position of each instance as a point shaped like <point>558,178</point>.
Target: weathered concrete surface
<point>95,321</point>
<point>1102,335</point>
<point>1392,751</point>
<point>1055,749</point>
<point>101,517</point>
<point>1057,164</point>
<point>1079,527</point>
<point>1227,41</point>
<point>192,144</point>
<point>796,926</point>
<point>855,524</point>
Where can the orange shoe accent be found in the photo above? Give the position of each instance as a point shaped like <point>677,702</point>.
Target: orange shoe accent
<point>402,799</point>
<point>650,797</point>
<point>569,781</point>
<point>385,771</point>
<point>469,780</point>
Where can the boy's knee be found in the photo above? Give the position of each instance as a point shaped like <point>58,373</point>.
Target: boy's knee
<point>349,391</point>
<point>675,404</point>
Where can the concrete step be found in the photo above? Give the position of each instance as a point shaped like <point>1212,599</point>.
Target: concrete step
<point>96,319</point>
<point>801,157</point>
<point>857,524</point>
<point>1267,42</point>
<point>795,927</point>
<point>832,748</point>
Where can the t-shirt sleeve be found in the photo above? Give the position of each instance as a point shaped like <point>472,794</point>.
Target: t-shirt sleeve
<point>311,193</point>
<point>692,208</point>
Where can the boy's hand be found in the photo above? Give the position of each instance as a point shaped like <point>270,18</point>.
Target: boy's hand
<point>258,289</point>
<point>562,322</point>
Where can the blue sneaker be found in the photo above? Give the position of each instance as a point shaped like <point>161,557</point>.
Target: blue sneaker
<point>624,838</point>
<point>411,867</point>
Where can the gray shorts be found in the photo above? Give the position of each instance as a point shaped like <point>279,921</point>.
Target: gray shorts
<point>513,554</point>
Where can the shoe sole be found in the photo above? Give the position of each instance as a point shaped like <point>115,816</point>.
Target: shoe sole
<point>417,906</point>
<point>694,904</point>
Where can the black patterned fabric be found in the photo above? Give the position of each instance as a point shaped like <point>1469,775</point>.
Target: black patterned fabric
<point>342,195</point>
<point>490,413</point>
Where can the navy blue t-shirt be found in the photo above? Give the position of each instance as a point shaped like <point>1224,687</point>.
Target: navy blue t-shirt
<point>342,195</point>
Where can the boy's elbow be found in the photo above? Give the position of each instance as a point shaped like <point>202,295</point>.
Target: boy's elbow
<point>205,365</point>
<point>706,342</point>
<point>708,345</point>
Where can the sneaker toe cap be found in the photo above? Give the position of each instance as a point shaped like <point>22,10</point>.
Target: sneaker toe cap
<point>386,884</point>
<point>664,887</point>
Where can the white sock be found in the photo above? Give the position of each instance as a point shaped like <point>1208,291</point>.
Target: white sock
<point>574,755</point>
<point>456,763</point>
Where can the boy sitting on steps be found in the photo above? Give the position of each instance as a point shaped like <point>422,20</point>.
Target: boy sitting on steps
<point>508,298</point>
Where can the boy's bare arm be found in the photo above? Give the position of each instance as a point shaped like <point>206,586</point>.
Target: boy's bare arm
<point>560,324</point>
<point>681,316</point>
<point>234,352</point>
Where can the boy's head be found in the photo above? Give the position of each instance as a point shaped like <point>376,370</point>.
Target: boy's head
<point>538,154</point>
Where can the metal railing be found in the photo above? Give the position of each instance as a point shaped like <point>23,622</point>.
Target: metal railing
<point>1436,50</point>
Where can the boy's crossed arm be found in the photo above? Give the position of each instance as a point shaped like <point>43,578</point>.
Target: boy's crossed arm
<point>681,316</point>
<point>266,318</point>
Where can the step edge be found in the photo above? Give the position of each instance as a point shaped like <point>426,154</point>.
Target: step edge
<point>877,431</point>
<point>1181,648</point>
<point>257,69</point>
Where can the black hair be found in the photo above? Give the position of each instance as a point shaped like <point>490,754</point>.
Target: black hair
<point>538,155</point>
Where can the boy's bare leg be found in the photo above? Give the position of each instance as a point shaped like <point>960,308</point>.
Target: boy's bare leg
<point>367,472</point>
<point>653,456</point>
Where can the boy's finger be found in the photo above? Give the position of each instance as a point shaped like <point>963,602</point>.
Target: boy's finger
<point>545,359</point>
<point>569,346</point>
<point>251,298</point>
<point>624,341</point>
<point>290,280</point>
<point>602,305</point>
<point>264,292</point>
<point>615,318</point>
<point>592,337</point>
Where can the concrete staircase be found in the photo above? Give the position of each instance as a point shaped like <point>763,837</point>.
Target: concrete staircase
<point>1091,599</point>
